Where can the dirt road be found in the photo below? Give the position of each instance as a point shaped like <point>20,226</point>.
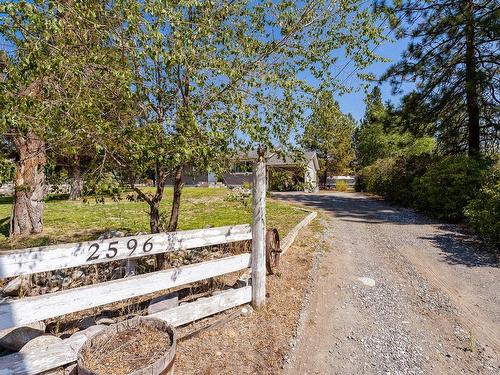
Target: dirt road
<point>396,293</point>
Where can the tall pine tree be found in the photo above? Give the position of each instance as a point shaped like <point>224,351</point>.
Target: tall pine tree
<point>453,61</point>
<point>329,132</point>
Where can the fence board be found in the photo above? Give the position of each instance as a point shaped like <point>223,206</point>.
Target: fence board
<point>32,309</point>
<point>60,354</point>
<point>48,258</point>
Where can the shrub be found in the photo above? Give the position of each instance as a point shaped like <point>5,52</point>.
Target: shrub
<point>247,185</point>
<point>483,212</point>
<point>286,181</point>
<point>393,177</point>
<point>341,185</point>
<point>449,185</point>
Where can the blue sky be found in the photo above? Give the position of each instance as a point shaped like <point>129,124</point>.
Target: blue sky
<point>353,102</point>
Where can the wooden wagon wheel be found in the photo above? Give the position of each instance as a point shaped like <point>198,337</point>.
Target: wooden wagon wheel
<point>273,250</point>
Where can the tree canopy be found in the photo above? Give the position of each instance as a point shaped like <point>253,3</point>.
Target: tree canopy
<point>329,132</point>
<point>453,59</point>
<point>148,88</point>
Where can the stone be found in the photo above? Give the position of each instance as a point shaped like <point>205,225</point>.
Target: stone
<point>111,234</point>
<point>40,342</point>
<point>151,262</point>
<point>89,332</point>
<point>367,281</point>
<point>105,321</point>
<point>86,322</point>
<point>66,282</point>
<point>15,338</point>
<point>162,303</point>
<point>14,286</point>
<point>77,274</point>
<point>71,370</point>
<point>56,371</point>
<point>246,311</point>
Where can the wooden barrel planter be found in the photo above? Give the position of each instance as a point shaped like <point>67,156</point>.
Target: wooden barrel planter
<point>137,346</point>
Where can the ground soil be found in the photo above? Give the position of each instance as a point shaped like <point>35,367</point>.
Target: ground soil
<point>256,344</point>
<point>397,293</point>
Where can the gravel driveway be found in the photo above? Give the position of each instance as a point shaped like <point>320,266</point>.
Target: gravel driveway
<point>396,293</point>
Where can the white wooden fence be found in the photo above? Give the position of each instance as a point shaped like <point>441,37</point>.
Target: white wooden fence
<point>29,261</point>
<point>31,309</point>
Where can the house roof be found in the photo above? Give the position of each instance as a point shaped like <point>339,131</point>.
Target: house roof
<point>274,159</point>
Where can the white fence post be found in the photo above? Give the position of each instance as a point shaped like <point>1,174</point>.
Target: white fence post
<point>258,232</point>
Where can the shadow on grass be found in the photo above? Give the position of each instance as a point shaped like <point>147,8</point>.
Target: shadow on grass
<point>5,226</point>
<point>5,200</point>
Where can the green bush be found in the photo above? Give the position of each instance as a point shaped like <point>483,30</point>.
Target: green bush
<point>483,212</point>
<point>7,170</point>
<point>393,177</point>
<point>341,185</point>
<point>285,181</point>
<point>449,185</point>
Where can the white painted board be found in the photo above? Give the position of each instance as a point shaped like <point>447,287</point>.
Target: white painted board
<point>60,354</point>
<point>47,258</point>
<point>32,309</point>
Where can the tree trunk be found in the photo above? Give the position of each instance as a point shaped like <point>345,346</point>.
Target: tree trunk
<point>471,82</point>
<point>29,185</point>
<point>154,216</point>
<point>76,182</point>
<point>176,201</point>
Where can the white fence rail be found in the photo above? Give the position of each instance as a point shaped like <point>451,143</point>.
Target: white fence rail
<point>32,309</point>
<point>29,261</point>
<point>49,258</point>
<point>56,355</point>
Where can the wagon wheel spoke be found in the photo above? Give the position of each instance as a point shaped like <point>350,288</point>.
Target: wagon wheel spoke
<point>273,250</point>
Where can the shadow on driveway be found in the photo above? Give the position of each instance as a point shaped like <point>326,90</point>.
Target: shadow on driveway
<point>458,245</point>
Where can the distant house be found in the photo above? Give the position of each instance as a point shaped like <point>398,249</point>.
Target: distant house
<point>331,181</point>
<point>240,174</point>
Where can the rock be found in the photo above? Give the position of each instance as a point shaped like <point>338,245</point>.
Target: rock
<point>367,281</point>
<point>118,272</point>
<point>15,338</point>
<point>151,262</point>
<point>105,321</point>
<point>57,371</point>
<point>218,354</point>
<point>71,370</point>
<point>89,332</point>
<point>39,343</point>
<point>246,311</point>
<point>111,234</point>
<point>86,322</point>
<point>162,303</point>
<point>66,282</point>
<point>56,280</point>
<point>14,286</point>
<point>77,274</point>
<point>244,280</point>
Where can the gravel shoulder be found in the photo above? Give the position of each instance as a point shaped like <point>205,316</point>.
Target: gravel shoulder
<point>259,342</point>
<point>396,293</point>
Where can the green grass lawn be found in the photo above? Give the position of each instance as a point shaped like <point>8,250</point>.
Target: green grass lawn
<point>69,221</point>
